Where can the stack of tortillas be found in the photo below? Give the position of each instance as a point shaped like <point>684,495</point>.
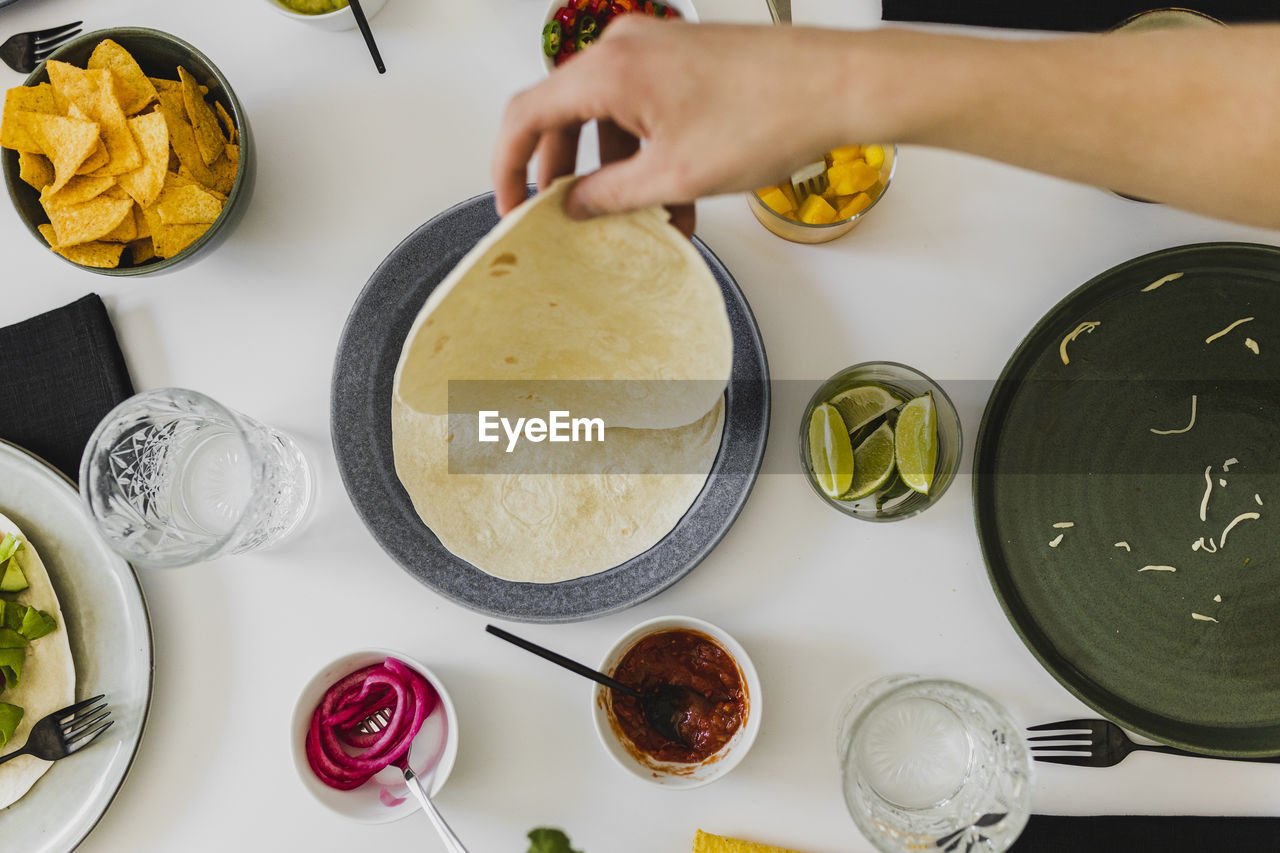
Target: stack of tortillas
<point>616,318</point>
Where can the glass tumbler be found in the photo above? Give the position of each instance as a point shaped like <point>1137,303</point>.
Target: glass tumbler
<point>933,765</point>
<point>173,477</point>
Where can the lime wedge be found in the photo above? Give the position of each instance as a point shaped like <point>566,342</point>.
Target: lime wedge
<point>830,453</point>
<point>872,464</point>
<point>859,406</point>
<point>916,443</point>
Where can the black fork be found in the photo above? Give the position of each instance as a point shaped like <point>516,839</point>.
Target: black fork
<point>25,51</point>
<point>1101,743</point>
<point>66,732</point>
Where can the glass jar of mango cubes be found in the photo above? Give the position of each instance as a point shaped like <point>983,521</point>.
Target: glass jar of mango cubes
<point>836,193</point>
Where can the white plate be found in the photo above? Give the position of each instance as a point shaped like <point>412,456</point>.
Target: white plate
<point>106,620</point>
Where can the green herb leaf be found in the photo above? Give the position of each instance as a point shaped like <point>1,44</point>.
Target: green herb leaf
<point>10,716</point>
<point>544,840</point>
<point>11,639</point>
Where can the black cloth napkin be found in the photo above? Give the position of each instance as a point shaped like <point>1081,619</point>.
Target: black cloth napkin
<point>61,372</point>
<point>1133,833</point>
<point>1079,15</point>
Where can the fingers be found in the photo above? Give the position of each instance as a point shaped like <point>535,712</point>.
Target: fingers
<point>557,153</point>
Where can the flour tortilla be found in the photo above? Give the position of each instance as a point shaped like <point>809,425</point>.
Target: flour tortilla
<point>48,674</point>
<point>575,307</point>
<point>526,523</point>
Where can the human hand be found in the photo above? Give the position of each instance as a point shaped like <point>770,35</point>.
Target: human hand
<point>720,109</point>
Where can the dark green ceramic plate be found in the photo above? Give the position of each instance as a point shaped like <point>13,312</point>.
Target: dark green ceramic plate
<point>1073,443</point>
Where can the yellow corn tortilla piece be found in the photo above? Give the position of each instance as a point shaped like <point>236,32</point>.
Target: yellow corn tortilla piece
<point>67,142</point>
<point>229,126</point>
<point>35,169</point>
<point>142,250</point>
<point>136,91</point>
<point>705,842</point>
<point>126,231</point>
<point>143,228</point>
<point>163,85</point>
<point>72,85</point>
<point>94,161</point>
<point>224,171</point>
<point>183,141</point>
<point>169,240</point>
<point>89,221</point>
<point>78,190</point>
<point>27,99</point>
<point>99,255</point>
<point>204,122</point>
<point>145,183</point>
<point>190,205</point>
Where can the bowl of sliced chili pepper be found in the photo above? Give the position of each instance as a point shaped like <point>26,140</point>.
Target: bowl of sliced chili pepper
<point>572,25</point>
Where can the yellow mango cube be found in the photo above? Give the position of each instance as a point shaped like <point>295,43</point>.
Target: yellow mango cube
<point>854,206</point>
<point>845,154</point>
<point>851,178</point>
<point>776,200</point>
<point>816,211</point>
<point>874,155</point>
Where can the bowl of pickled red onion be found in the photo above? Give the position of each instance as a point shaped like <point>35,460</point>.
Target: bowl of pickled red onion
<point>357,772</point>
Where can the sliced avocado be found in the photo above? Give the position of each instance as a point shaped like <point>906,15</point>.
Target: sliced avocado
<point>11,639</point>
<point>36,624</point>
<point>11,665</point>
<point>13,580</point>
<point>9,546</point>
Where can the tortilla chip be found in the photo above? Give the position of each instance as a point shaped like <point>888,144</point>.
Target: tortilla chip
<point>35,169</point>
<point>89,221</point>
<point>126,231</point>
<point>188,206</point>
<point>117,192</point>
<point>169,240</point>
<point>145,182</point>
<point>78,190</point>
<point>121,147</point>
<point>100,255</point>
<point>67,142</point>
<point>203,121</point>
<point>163,85</point>
<point>227,124</point>
<point>136,91</point>
<point>96,160</point>
<point>224,172</point>
<point>143,228</point>
<point>30,99</point>
<point>183,141</point>
<point>72,85</point>
<point>142,250</point>
<point>171,99</point>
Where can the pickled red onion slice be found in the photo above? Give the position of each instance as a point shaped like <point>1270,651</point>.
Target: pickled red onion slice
<point>342,756</point>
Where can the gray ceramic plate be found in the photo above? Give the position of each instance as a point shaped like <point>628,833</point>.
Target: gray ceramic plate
<point>110,633</point>
<point>361,426</point>
<point>1073,443</point>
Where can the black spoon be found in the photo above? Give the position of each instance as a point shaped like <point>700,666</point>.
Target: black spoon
<point>664,707</point>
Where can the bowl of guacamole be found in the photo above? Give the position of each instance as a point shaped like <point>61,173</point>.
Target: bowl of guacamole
<point>325,14</point>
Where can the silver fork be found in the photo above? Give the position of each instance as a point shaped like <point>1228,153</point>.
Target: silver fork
<point>1102,743</point>
<point>66,732</point>
<point>25,51</point>
<point>376,722</point>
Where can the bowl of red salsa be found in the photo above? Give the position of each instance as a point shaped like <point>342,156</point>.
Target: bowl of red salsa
<point>690,653</point>
<point>570,26</point>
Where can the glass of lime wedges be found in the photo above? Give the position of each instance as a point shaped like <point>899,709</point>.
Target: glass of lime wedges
<point>880,441</point>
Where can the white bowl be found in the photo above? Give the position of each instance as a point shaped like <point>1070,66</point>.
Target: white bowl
<point>372,802</point>
<point>668,774</point>
<point>684,7</point>
<point>339,19</point>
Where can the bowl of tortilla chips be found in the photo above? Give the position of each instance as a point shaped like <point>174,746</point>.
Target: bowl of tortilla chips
<point>127,152</point>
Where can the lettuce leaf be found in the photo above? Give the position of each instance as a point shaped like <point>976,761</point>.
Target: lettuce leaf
<point>10,716</point>
<point>544,840</point>
<point>11,665</point>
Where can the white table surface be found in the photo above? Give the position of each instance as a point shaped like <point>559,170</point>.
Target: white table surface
<point>958,262</point>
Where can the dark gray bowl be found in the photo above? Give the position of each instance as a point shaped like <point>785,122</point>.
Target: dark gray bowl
<point>159,54</point>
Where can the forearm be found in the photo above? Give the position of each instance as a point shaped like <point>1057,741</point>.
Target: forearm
<point>1190,118</point>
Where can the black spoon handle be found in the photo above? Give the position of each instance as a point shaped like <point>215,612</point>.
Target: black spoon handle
<point>361,21</point>
<point>571,665</point>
